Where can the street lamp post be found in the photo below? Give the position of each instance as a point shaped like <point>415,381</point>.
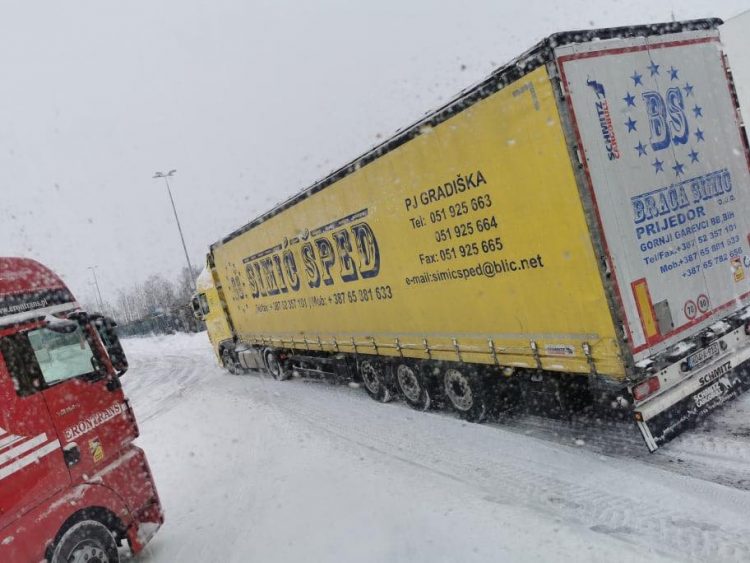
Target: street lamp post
<point>98,291</point>
<point>177,220</point>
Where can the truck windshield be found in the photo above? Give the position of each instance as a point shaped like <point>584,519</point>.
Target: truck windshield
<point>61,356</point>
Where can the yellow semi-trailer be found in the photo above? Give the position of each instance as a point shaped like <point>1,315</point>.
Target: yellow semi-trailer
<point>572,230</point>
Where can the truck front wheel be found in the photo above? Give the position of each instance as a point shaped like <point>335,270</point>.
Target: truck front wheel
<point>466,394</point>
<point>411,383</point>
<point>374,377</point>
<point>88,541</point>
<point>230,363</point>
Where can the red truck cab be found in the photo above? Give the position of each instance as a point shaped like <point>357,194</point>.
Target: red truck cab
<point>73,486</point>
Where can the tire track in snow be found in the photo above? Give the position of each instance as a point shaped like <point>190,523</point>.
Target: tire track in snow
<point>155,383</point>
<point>516,477</point>
<point>718,456</point>
<point>531,472</point>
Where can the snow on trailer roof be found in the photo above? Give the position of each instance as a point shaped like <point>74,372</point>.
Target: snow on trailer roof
<point>497,80</point>
<point>204,281</point>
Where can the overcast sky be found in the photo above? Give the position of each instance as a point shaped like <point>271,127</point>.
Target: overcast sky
<point>250,101</point>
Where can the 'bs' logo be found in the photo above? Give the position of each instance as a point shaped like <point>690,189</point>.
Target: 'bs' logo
<point>666,118</point>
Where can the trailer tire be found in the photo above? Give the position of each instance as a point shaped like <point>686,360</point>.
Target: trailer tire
<point>412,385</point>
<point>465,393</point>
<point>276,367</point>
<point>87,540</point>
<point>375,380</point>
<point>230,363</point>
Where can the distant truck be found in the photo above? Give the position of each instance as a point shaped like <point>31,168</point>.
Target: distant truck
<point>74,486</point>
<point>570,234</point>
<point>207,307</point>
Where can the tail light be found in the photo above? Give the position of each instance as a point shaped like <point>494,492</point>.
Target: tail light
<point>646,388</point>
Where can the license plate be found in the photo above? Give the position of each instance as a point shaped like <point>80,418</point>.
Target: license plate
<point>704,355</point>
<point>710,393</point>
<point>718,385</point>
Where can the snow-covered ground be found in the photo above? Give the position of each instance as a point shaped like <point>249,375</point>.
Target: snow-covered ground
<point>250,469</point>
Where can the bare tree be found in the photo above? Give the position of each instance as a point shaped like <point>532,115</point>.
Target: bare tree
<point>156,295</point>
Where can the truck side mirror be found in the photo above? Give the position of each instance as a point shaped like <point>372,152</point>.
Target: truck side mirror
<point>105,326</point>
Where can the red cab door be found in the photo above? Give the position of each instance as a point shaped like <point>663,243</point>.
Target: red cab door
<point>85,400</point>
<point>32,467</point>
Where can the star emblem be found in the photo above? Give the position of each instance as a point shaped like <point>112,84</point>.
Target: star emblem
<point>698,111</point>
<point>678,168</point>
<point>637,78</point>
<point>693,156</point>
<point>631,124</point>
<point>641,149</point>
<point>688,89</point>
<point>629,99</point>
<point>673,73</point>
<point>659,165</point>
<point>654,68</point>
<point>699,135</point>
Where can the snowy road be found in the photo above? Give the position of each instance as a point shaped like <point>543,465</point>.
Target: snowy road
<point>250,469</point>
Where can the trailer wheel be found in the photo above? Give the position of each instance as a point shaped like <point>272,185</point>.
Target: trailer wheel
<point>227,358</point>
<point>374,377</point>
<point>276,367</point>
<point>466,394</point>
<point>411,383</point>
<point>87,541</point>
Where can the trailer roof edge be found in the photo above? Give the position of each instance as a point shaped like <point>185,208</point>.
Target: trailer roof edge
<point>510,72</point>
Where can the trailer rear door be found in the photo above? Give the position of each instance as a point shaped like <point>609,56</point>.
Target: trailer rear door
<point>667,169</point>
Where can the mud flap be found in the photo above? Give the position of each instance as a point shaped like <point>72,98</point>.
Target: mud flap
<point>722,384</point>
